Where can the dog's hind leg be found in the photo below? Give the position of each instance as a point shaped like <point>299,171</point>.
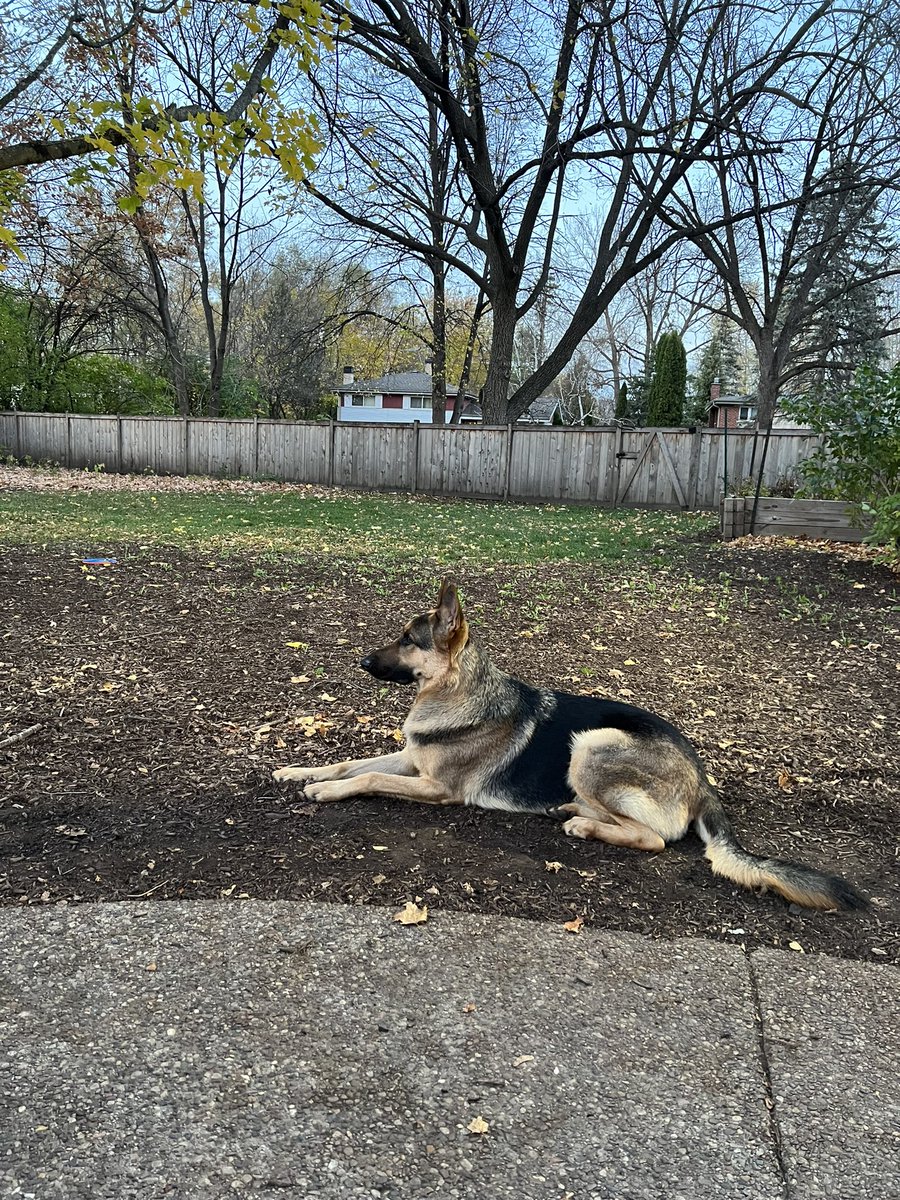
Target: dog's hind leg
<point>630,791</point>
<point>591,821</point>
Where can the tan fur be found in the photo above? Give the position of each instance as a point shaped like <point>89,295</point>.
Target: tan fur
<point>653,785</point>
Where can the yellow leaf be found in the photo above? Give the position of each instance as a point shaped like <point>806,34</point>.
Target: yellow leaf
<point>796,946</point>
<point>478,1125</point>
<point>522,1059</point>
<point>412,914</point>
<point>574,926</point>
<point>296,645</point>
<point>555,867</point>
<point>397,735</point>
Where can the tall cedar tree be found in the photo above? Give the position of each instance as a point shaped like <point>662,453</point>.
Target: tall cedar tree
<point>669,383</point>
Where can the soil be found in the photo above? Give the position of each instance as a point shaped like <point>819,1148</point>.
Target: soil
<point>167,688</point>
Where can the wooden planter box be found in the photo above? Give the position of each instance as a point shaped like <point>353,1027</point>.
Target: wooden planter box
<point>831,520</point>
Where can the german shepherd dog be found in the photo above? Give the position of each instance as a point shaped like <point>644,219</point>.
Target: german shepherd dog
<point>614,772</point>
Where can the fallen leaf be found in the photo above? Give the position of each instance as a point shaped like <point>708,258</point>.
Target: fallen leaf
<point>522,1059</point>
<point>478,1125</point>
<point>412,914</point>
<point>785,782</point>
<point>299,679</point>
<point>328,699</point>
<point>151,966</point>
<point>555,867</point>
<point>574,926</point>
<point>796,946</point>
<point>397,735</point>
<point>379,878</point>
<point>468,1008</point>
<point>296,645</point>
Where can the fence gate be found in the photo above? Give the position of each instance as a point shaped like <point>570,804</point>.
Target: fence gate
<point>646,465</point>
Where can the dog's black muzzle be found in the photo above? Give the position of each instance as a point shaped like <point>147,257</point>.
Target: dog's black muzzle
<point>389,672</point>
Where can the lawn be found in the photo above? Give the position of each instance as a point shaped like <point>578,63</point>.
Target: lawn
<point>296,521</point>
<point>224,642</point>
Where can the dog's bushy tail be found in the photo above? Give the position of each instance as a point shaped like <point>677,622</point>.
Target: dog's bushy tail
<point>799,884</point>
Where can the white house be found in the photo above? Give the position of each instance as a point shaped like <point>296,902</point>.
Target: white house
<point>393,399</point>
<point>406,396</point>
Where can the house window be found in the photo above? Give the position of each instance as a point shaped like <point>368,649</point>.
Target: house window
<point>420,402</point>
<point>363,401</point>
<point>747,412</point>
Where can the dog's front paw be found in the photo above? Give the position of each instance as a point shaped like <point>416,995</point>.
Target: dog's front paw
<point>291,774</point>
<point>579,827</point>
<point>323,792</point>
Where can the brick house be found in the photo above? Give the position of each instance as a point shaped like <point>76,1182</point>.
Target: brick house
<point>740,412</point>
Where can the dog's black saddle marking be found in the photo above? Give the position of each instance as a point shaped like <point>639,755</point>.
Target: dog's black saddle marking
<point>435,736</point>
<point>536,778</point>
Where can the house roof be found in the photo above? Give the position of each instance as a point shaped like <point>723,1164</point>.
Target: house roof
<point>400,383</point>
<point>725,401</point>
<point>539,411</point>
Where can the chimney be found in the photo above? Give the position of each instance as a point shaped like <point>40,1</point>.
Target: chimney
<point>715,390</point>
<point>348,377</point>
<point>429,366</point>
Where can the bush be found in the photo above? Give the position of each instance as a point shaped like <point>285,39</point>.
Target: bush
<point>859,460</point>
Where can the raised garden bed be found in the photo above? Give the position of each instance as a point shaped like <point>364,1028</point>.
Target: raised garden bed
<point>832,520</point>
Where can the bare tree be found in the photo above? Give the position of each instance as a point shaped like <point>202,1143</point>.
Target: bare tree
<point>798,250</point>
<point>626,99</point>
<point>390,173</point>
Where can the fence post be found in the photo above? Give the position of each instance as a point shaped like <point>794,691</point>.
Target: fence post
<point>185,449</point>
<point>509,450</point>
<point>255,445</point>
<point>68,439</point>
<point>18,428</point>
<point>331,437</point>
<point>694,467</point>
<point>415,479</point>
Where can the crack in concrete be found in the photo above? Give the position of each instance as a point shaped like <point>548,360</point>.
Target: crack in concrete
<point>771,1109</point>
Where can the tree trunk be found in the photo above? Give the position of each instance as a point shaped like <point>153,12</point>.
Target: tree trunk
<point>439,339</point>
<point>769,382</point>
<point>466,372</point>
<point>174,352</point>
<point>495,406</point>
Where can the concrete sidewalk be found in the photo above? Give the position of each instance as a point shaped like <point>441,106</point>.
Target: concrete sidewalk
<point>199,1050</point>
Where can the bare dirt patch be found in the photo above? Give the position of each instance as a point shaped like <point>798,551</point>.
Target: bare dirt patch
<point>168,686</point>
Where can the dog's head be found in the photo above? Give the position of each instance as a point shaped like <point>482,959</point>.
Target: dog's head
<point>429,646</point>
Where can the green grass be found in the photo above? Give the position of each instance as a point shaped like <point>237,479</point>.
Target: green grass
<point>273,524</point>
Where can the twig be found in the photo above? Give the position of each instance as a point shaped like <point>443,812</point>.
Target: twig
<point>20,736</point>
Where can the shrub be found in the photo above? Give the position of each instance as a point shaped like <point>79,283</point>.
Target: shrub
<point>859,460</point>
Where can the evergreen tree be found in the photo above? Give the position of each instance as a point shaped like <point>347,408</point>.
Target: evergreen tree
<point>666,397</point>
<point>720,364</point>
<point>622,402</point>
<point>845,246</point>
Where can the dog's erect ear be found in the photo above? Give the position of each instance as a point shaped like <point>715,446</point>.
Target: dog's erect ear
<point>451,630</point>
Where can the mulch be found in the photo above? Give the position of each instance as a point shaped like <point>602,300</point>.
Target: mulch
<point>168,686</point>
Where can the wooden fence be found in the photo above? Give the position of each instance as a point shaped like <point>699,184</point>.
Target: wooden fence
<point>653,468</point>
<point>832,520</point>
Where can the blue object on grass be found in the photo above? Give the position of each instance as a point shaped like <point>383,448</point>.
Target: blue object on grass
<point>99,562</point>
